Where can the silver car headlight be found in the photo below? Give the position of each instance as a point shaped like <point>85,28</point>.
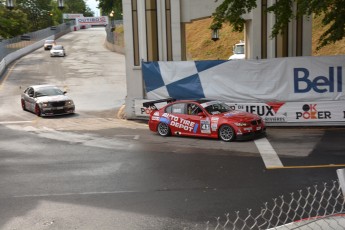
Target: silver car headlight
<point>45,104</point>
<point>69,102</point>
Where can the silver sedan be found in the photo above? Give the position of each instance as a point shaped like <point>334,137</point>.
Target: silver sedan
<point>57,50</point>
<point>46,100</point>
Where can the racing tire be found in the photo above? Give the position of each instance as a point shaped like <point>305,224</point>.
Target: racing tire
<point>37,110</point>
<point>226,133</point>
<point>163,129</point>
<point>23,104</point>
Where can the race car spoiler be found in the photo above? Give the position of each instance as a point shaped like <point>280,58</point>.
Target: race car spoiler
<point>150,104</point>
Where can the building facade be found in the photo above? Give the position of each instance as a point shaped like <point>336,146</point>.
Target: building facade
<point>155,31</point>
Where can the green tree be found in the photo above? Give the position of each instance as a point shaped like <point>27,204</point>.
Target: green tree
<point>332,11</point>
<point>11,22</point>
<point>77,7</point>
<point>38,13</point>
<point>108,6</point>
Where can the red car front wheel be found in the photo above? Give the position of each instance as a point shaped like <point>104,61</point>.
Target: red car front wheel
<point>226,133</point>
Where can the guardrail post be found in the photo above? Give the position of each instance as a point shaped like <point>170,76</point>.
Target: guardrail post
<point>341,177</point>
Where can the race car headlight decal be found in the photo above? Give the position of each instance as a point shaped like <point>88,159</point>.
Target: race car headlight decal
<point>69,102</point>
<point>242,124</point>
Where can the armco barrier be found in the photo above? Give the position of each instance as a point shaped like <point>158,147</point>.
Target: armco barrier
<point>18,53</point>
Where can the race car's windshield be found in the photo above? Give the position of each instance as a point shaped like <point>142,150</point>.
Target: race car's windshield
<point>216,107</point>
<point>48,92</point>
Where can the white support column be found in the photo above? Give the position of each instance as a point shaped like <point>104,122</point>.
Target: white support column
<point>341,177</point>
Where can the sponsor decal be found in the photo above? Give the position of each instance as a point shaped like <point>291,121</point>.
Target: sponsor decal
<point>164,120</point>
<point>148,110</point>
<point>179,122</point>
<point>320,84</point>
<point>214,123</point>
<point>205,126</point>
<point>268,111</point>
<point>310,112</point>
<point>155,118</point>
<point>276,119</point>
<point>214,126</point>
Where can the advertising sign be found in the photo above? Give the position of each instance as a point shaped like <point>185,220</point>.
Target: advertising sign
<point>280,90</point>
<point>103,20</point>
<point>72,16</point>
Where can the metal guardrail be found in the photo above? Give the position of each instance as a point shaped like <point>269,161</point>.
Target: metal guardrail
<point>8,46</point>
<point>14,48</point>
<point>318,207</point>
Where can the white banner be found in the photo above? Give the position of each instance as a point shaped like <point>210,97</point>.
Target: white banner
<point>103,20</point>
<point>280,79</point>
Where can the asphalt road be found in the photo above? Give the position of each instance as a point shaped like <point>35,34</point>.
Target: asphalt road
<point>94,170</point>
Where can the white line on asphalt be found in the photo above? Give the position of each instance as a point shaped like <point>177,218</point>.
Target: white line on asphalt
<point>135,137</point>
<point>72,194</point>
<point>268,154</point>
<point>14,122</point>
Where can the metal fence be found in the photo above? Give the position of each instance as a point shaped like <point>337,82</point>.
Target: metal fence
<point>113,36</point>
<point>8,46</point>
<point>320,207</point>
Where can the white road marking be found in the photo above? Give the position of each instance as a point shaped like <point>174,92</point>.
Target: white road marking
<point>14,122</point>
<point>268,154</point>
<point>135,137</point>
<point>73,194</point>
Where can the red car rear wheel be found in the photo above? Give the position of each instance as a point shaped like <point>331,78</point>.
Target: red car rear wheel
<point>163,129</point>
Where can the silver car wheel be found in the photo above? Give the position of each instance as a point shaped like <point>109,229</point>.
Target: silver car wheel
<point>226,133</point>
<point>163,129</point>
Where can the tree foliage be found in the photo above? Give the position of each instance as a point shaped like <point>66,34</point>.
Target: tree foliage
<point>108,6</point>
<point>332,11</point>
<point>11,22</point>
<point>33,15</point>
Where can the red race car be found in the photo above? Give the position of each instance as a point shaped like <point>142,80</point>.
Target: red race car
<point>203,118</point>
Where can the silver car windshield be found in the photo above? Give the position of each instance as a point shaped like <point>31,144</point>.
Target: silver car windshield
<point>48,92</point>
<point>216,107</point>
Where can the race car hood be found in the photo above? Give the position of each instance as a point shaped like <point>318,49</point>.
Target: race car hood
<point>240,116</point>
<point>52,98</point>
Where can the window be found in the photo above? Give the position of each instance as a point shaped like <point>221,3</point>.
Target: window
<point>151,30</point>
<point>178,108</point>
<point>135,33</point>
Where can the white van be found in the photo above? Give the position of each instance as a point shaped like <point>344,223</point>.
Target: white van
<point>238,51</point>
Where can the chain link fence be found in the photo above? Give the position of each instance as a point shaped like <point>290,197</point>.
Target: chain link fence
<point>320,207</point>
<point>8,46</point>
<point>115,33</point>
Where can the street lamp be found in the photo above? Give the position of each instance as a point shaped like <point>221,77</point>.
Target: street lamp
<point>112,13</point>
<point>60,4</point>
<point>215,34</point>
<point>10,4</point>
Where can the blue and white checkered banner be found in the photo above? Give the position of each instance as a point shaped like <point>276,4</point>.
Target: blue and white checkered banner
<point>295,79</point>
